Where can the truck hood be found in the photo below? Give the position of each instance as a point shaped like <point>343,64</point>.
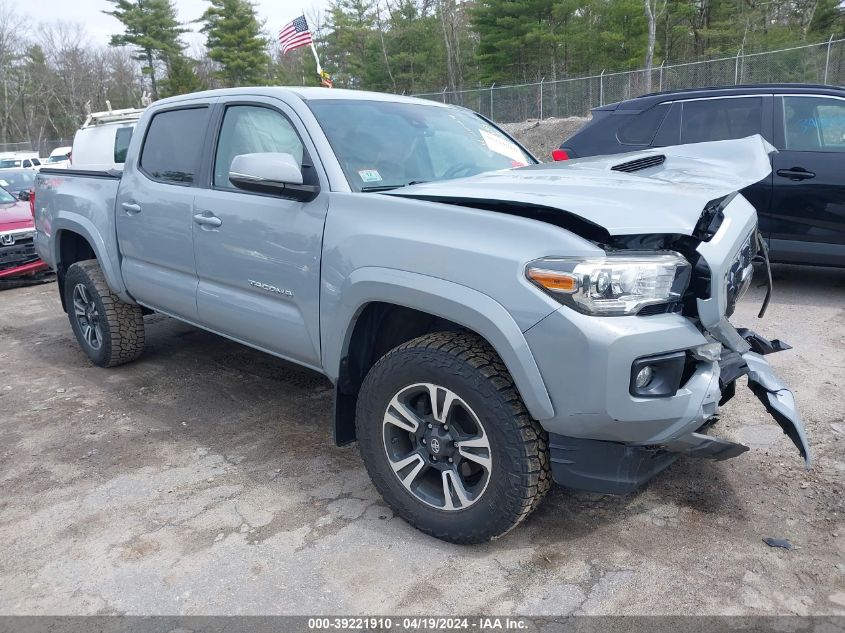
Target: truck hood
<point>15,216</point>
<point>655,191</point>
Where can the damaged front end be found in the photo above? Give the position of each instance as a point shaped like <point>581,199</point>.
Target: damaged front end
<point>722,249</point>
<point>728,257</point>
<point>722,273</point>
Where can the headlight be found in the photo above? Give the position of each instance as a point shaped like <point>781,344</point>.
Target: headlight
<point>613,285</point>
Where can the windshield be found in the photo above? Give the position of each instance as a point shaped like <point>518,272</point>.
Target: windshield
<point>57,159</point>
<point>6,197</point>
<point>17,180</point>
<point>382,145</point>
<point>10,162</point>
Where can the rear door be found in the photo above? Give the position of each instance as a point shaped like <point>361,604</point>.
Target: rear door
<point>155,207</point>
<point>732,117</point>
<point>808,201</point>
<point>258,261</point>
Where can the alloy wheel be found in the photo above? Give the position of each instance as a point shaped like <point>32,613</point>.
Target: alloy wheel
<point>437,446</point>
<point>85,310</point>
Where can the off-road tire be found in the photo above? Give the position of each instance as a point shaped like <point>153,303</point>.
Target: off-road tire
<point>468,365</point>
<point>122,324</point>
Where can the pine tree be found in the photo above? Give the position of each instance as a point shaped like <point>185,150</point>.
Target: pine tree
<point>181,76</point>
<point>153,28</point>
<point>235,42</point>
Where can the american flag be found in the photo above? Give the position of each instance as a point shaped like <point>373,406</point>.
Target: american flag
<point>295,35</point>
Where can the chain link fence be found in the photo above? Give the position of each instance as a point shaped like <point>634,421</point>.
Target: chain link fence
<point>43,147</point>
<point>813,63</point>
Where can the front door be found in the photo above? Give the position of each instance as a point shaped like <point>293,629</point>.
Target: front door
<point>808,198</point>
<point>154,212</point>
<point>258,256</point>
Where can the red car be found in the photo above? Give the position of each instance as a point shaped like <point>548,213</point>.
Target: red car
<point>18,260</point>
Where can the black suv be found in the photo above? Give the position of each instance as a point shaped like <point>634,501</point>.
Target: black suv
<point>801,204</point>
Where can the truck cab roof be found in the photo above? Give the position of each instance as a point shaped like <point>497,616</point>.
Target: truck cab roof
<point>303,93</point>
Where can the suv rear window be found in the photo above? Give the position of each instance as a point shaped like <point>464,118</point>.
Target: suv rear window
<point>721,119</point>
<point>640,129</point>
<point>173,145</point>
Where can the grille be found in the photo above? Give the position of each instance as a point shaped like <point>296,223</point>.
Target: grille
<point>20,253</point>
<point>738,278</point>
<point>659,308</point>
<point>640,163</point>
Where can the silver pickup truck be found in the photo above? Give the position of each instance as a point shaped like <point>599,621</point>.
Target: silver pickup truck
<point>489,323</point>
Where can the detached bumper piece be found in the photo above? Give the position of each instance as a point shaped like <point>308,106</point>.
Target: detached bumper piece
<point>778,400</point>
<point>607,467</point>
<point>613,468</point>
<point>700,445</point>
<point>764,382</point>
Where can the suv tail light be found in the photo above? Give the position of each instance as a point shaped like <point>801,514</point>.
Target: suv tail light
<point>32,202</point>
<point>560,154</point>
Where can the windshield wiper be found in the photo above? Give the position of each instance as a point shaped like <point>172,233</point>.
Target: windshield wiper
<point>377,188</point>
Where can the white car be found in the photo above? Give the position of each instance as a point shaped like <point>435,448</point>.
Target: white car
<point>20,160</point>
<point>104,137</point>
<point>59,158</point>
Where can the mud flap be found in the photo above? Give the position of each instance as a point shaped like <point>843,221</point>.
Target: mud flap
<point>778,400</point>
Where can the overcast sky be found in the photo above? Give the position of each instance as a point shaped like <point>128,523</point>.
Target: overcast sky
<point>90,13</point>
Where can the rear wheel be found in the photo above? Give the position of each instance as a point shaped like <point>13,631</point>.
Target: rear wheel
<point>447,440</point>
<point>109,331</point>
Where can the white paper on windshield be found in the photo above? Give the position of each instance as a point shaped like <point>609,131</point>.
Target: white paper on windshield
<point>3,183</point>
<point>369,175</point>
<point>502,146</point>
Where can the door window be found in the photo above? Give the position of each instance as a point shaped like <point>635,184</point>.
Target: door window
<point>173,145</point>
<point>253,130</point>
<point>721,119</point>
<point>814,124</point>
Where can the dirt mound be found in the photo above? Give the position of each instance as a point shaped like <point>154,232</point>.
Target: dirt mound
<point>542,136</point>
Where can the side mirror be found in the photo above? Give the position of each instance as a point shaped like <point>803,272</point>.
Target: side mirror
<point>271,172</point>
<point>23,195</point>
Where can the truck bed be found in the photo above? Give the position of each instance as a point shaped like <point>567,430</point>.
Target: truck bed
<point>81,201</point>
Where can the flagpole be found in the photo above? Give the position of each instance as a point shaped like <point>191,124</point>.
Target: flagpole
<point>316,59</point>
<point>314,49</point>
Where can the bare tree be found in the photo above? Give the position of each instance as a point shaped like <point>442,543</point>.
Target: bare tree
<point>653,9</point>
<point>381,29</point>
<point>11,42</point>
<point>450,20</point>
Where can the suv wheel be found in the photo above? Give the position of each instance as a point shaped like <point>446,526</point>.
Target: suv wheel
<point>108,330</point>
<point>447,440</point>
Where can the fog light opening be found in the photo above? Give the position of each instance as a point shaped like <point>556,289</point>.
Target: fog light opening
<point>644,377</point>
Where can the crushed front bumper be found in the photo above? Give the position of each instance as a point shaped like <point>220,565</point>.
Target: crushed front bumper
<point>602,437</point>
<point>769,389</point>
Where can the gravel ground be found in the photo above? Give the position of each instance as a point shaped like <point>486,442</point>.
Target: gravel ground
<point>542,136</point>
<point>202,479</point>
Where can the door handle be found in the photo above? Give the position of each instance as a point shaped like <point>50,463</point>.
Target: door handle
<point>207,220</point>
<point>796,173</point>
<point>131,207</point>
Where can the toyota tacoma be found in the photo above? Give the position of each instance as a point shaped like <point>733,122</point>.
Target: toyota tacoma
<point>489,323</point>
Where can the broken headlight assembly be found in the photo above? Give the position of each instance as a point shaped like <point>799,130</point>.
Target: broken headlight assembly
<point>613,285</point>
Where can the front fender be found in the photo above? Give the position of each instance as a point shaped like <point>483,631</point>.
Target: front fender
<point>460,304</point>
<point>106,252</point>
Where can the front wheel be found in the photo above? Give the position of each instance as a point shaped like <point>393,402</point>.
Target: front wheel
<point>448,441</point>
<point>109,331</point>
